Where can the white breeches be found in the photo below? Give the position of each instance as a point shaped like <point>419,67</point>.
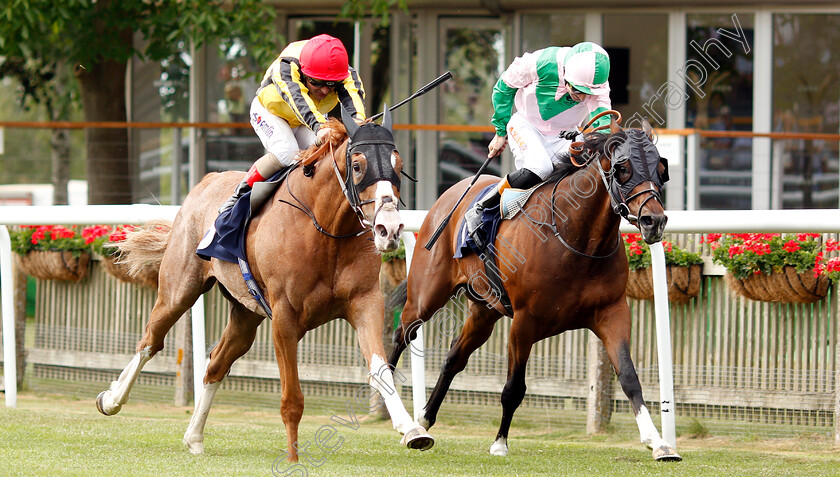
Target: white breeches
<point>277,136</point>
<point>532,149</point>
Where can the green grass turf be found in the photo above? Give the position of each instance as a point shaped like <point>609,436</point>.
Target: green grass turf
<point>56,435</point>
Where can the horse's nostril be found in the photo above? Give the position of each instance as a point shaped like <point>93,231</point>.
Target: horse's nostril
<point>646,221</point>
<point>381,230</point>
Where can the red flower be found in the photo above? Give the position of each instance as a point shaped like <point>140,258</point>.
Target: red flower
<point>804,237</point>
<point>735,250</point>
<point>118,235</point>
<point>792,246</point>
<point>758,248</point>
<point>92,233</point>
<point>711,238</point>
<point>833,265</point>
<point>632,238</point>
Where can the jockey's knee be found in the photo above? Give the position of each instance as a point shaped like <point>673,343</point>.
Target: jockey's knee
<point>524,179</point>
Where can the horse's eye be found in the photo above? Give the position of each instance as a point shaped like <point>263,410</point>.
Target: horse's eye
<point>356,167</point>
<point>622,169</point>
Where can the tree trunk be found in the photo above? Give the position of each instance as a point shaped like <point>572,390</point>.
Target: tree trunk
<point>103,99</point>
<point>60,155</point>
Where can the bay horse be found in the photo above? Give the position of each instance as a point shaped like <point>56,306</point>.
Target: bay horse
<point>562,264</point>
<point>312,254</point>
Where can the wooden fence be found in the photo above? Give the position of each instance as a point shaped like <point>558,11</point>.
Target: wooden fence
<point>736,361</point>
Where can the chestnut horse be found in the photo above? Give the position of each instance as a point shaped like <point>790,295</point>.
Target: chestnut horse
<point>309,274</point>
<point>562,263</point>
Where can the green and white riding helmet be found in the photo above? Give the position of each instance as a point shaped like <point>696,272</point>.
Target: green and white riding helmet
<point>587,68</point>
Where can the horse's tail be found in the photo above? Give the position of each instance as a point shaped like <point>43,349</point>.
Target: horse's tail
<point>398,296</point>
<point>144,246</point>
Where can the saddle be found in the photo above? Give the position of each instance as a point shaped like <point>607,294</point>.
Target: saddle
<point>512,201</point>
<point>226,238</point>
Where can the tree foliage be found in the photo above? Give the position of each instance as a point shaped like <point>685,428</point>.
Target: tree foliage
<point>94,40</point>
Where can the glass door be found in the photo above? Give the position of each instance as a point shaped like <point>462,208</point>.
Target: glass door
<point>473,49</point>
<point>725,163</point>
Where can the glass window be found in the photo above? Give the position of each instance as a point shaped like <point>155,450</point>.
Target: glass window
<point>722,101</point>
<point>806,66</point>
<point>232,80</point>
<point>540,30</point>
<point>473,50</point>
<point>160,93</point>
<point>638,63</point>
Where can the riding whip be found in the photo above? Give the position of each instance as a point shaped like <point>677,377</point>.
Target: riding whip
<point>420,92</point>
<point>445,221</point>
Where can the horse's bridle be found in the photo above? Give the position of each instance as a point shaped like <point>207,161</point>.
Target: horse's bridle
<point>372,141</point>
<point>620,194</point>
<point>375,142</point>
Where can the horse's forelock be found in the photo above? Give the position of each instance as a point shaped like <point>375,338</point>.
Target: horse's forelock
<point>315,152</point>
<point>596,142</point>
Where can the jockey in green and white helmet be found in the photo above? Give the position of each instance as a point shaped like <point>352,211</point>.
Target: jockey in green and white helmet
<point>555,89</point>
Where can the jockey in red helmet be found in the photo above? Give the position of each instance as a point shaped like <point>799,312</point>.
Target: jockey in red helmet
<point>307,80</point>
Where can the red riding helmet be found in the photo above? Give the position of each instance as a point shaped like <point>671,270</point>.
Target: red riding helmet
<point>324,58</point>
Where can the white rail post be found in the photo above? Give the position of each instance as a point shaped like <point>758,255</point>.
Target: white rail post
<point>663,343</point>
<point>7,296</point>
<point>199,347</point>
<point>415,348</point>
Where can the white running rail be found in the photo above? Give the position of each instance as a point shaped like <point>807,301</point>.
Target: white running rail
<point>729,221</point>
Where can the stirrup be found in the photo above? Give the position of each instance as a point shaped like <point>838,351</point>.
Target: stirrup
<point>472,219</point>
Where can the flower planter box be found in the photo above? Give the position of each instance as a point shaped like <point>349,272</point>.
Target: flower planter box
<point>55,265</point>
<point>789,286</point>
<point>683,283</point>
<point>146,276</point>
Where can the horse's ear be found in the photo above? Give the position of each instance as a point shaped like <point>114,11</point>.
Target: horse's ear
<point>349,123</point>
<point>647,129</point>
<point>614,127</point>
<point>386,120</point>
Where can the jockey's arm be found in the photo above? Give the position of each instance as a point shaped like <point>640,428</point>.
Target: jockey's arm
<point>521,72</point>
<point>597,105</point>
<point>351,95</point>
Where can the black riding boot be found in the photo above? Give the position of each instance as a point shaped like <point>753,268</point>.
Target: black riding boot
<point>241,189</point>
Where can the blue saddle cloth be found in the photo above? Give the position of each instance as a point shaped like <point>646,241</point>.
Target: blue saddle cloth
<point>226,240</point>
<point>490,220</point>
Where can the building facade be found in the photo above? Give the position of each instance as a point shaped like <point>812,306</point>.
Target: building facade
<point>757,68</point>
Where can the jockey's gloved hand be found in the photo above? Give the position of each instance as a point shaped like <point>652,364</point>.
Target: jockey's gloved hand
<point>573,135</point>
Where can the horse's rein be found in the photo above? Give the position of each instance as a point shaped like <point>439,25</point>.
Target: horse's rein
<point>306,210</point>
<point>576,148</point>
<point>620,203</point>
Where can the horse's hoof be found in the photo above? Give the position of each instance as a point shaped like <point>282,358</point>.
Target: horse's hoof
<point>418,438</point>
<point>499,448</point>
<point>108,410</point>
<point>195,447</point>
<point>666,453</point>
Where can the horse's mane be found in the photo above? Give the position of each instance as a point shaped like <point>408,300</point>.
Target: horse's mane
<point>594,144</point>
<point>337,136</point>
